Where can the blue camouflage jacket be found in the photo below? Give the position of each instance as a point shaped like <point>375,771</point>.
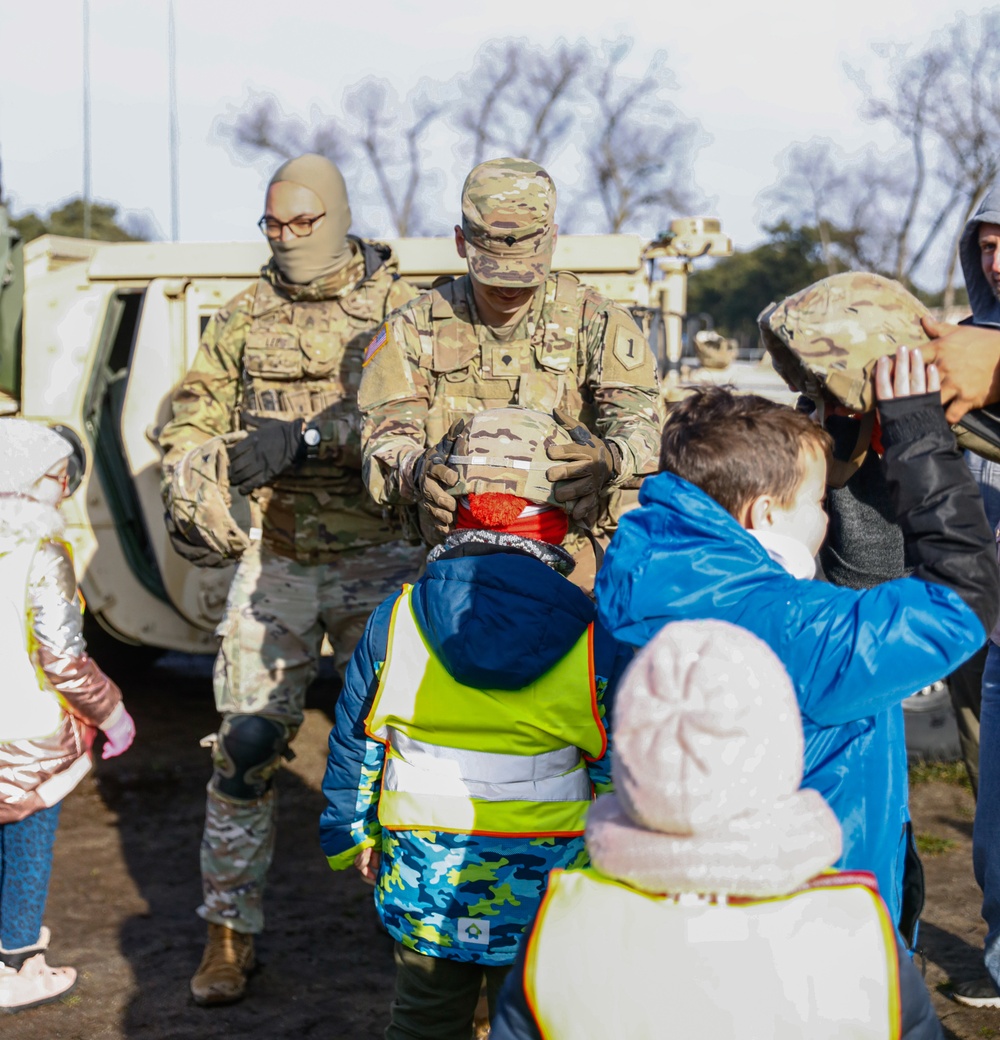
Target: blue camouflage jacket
<point>496,621</point>
<point>852,655</point>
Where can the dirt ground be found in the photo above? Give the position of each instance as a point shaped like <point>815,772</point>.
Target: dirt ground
<point>126,880</point>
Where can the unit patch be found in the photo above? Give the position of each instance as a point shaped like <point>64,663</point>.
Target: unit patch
<point>629,346</point>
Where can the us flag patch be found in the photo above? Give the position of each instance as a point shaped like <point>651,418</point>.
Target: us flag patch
<point>376,344</point>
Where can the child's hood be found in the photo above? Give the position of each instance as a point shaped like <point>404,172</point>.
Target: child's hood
<point>499,621</point>
<point>23,521</point>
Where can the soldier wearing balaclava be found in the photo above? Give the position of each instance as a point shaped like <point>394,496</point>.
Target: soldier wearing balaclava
<point>276,375</point>
<point>327,249</point>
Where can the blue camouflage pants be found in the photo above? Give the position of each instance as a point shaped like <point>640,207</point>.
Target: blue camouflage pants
<point>25,866</point>
<point>271,637</point>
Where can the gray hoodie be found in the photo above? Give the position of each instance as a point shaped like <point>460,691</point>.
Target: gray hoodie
<point>985,306</point>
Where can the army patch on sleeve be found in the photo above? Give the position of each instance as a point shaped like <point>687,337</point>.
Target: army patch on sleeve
<point>376,344</point>
<point>629,346</point>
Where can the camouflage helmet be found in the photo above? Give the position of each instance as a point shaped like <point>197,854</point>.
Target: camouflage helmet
<point>824,341</point>
<point>505,450</point>
<point>508,209</point>
<point>198,503</point>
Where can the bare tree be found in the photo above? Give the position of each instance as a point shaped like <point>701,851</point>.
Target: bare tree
<point>391,145</point>
<point>377,126</point>
<point>941,104</point>
<point>640,151</point>
<point>520,99</point>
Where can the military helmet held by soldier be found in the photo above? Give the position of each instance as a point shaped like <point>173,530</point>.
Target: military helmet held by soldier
<point>508,212</point>
<point>505,451</point>
<point>199,503</point>
<point>825,340</point>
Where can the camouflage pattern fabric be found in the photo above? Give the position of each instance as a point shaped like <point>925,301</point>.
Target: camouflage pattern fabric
<point>466,897</point>
<point>825,340</point>
<point>508,209</point>
<point>198,503</point>
<point>505,450</point>
<point>434,362</point>
<point>279,351</point>
<point>271,636</point>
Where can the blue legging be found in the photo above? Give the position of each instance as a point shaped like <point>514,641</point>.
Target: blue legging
<point>25,866</point>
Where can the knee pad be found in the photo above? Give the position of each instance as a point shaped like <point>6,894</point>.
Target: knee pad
<point>247,755</point>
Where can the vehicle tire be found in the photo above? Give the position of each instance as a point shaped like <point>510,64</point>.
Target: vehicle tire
<point>931,730</point>
<point>115,656</point>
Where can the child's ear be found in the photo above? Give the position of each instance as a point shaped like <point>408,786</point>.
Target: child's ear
<point>757,514</point>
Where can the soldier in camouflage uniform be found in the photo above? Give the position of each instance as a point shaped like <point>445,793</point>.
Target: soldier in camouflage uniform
<point>509,333</point>
<point>467,742</point>
<point>282,360</point>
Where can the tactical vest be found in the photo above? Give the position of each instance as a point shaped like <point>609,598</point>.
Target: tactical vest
<point>473,371</point>
<point>472,761</point>
<point>28,708</point>
<point>606,960</point>
<point>302,359</point>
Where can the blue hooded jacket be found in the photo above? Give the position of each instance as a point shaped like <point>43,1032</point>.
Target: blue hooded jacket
<point>852,655</point>
<point>496,619</point>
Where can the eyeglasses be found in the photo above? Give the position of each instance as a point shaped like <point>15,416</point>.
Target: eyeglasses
<point>300,227</point>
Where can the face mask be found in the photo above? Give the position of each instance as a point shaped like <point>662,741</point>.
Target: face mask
<point>326,250</point>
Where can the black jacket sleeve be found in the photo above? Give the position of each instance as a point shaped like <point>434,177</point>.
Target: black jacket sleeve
<point>940,511</point>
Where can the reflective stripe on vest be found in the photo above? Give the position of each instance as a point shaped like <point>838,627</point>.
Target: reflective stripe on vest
<point>28,709</point>
<point>607,960</point>
<point>512,763</point>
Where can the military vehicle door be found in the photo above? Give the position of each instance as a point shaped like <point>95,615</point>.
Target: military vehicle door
<point>174,314</point>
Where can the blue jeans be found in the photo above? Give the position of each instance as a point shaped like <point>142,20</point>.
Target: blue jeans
<point>25,866</point>
<point>986,831</point>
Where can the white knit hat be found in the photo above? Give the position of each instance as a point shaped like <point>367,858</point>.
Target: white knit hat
<point>707,765</point>
<point>28,450</point>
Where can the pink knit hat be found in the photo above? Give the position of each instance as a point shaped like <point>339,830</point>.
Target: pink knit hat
<point>707,766</point>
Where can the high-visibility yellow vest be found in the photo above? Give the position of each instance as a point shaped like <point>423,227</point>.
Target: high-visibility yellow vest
<point>28,708</point>
<point>607,960</point>
<point>471,761</point>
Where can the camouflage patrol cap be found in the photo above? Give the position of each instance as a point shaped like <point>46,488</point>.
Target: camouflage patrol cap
<point>505,450</point>
<point>198,504</point>
<point>508,208</point>
<point>824,341</point>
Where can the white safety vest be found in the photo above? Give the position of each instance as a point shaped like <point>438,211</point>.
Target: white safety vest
<point>28,708</point>
<point>606,960</point>
<point>471,761</point>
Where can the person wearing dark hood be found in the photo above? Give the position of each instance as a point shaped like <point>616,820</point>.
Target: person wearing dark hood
<point>472,731</point>
<point>281,363</point>
<point>979,251</point>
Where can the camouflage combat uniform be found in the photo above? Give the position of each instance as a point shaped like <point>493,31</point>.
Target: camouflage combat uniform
<point>434,361</point>
<point>327,555</point>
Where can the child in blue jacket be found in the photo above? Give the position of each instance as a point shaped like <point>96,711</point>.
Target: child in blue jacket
<point>729,531</point>
<point>471,732</point>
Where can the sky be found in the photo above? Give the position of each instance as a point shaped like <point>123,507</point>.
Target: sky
<point>757,76</point>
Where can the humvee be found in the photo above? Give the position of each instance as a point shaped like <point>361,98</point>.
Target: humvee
<point>95,336</point>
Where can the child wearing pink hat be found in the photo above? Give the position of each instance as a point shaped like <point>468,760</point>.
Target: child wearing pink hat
<point>710,883</point>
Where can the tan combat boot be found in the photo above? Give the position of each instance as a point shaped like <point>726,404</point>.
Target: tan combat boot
<point>221,977</point>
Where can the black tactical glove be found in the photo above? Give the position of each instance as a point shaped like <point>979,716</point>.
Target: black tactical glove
<point>432,476</point>
<point>589,467</point>
<point>265,454</point>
